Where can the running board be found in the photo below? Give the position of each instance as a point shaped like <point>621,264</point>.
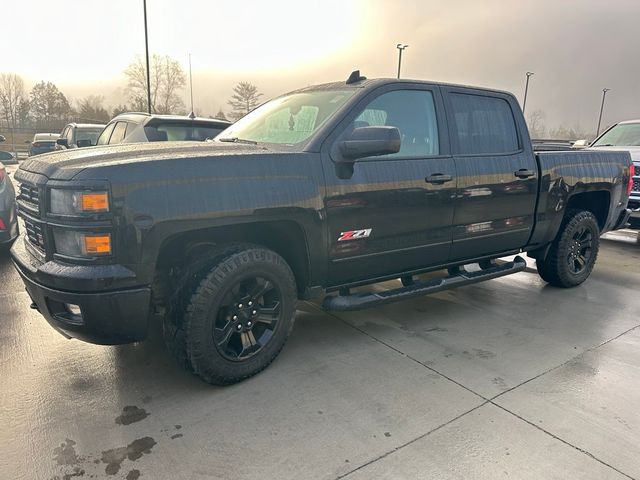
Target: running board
<point>358,301</point>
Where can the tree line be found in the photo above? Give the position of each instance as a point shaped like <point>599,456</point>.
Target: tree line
<point>45,104</point>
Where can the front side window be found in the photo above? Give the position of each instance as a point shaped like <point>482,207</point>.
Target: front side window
<point>69,135</point>
<point>484,125</point>
<point>103,139</point>
<point>290,119</point>
<point>413,112</point>
<point>622,135</point>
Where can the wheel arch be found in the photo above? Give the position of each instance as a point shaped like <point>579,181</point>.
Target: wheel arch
<point>285,237</point>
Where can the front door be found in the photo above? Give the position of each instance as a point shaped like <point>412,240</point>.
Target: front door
<point>497,176</point>
<point>394,213</point>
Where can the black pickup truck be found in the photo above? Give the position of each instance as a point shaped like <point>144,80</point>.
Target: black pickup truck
<point>314,193</point>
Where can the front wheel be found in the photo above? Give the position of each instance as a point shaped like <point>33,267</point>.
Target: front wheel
<point>573,253</point>
<point>238,318</point>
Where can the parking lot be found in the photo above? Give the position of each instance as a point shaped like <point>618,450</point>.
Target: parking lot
<point>506,378</point>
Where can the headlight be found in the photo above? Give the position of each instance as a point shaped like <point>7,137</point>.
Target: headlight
<point>70,202</point>
<point>81,244</point>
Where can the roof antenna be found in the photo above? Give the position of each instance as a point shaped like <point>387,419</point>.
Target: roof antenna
<point>355,77</point>
<point>192,115</point>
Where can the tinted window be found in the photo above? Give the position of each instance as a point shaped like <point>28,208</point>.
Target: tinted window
<point>483,124</point>
<point>103,139</point>
<point>5,156</point>
<point>176,132</point>
<point>118,133</point>
<point>413,113</point>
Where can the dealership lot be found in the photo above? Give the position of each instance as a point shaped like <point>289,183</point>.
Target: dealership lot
<point>505,378</point>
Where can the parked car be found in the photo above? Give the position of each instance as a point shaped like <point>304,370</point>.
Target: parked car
<point>79,135</point>
<point>8,216</point>
<point>43,143</point>
<point>8,158</point>
<point>625,136</point>
<point>144,127</point>
<point>321,190</point>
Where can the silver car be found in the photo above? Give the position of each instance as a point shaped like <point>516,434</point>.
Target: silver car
<point>625,136</point>
<point>143,127</point>
<point>8,217</point>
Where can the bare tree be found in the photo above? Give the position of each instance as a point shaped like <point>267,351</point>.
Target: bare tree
<point>167,79</point>
<point>220,115</point>
<point>118,109</point>
<point>12,99</point>
<point>48,103</point>
<point>244,99</point>
<point>91,108</point>
<point>535,121</point>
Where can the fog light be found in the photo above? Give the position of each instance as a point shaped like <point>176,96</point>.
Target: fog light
<point>73,309</point>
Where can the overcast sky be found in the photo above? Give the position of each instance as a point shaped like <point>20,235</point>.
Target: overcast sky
<point>575,47</point>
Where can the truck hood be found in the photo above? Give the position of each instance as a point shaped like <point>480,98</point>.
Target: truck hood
<point>633,151</point>
<point>64,165</point>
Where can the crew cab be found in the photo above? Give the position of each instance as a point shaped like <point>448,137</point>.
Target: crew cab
<point>314,193</point>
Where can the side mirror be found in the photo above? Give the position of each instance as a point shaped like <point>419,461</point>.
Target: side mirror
<point>369,142</point>
<point>85,142</point>
<point>63,142</point>
<point>581,144</point>
<point>2,139</point>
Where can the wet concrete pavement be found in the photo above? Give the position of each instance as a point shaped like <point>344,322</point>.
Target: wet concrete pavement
<point>508,378</point>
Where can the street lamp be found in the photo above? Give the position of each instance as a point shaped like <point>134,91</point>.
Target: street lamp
<point>400,47</point>
<point>146,48</point>
<point>526,90</point>
<point>604,94</point>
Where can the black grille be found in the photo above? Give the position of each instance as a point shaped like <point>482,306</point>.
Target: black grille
<point>636,185</point>
<point>30,195</point>
<point>34,233</point>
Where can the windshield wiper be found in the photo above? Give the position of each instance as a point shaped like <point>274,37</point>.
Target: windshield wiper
<point>604,145</point>
<point>237,140</point>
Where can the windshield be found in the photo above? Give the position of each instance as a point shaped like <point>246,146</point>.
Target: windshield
<point>290,119</point>
<point>622,135</point>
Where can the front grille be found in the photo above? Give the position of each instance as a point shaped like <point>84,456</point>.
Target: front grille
<point>34,233</point>
<point>30,195</point>
<point>636,185</point>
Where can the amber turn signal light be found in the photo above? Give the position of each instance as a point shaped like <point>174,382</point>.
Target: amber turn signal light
<point>95,202</point>
<point>97,244</point>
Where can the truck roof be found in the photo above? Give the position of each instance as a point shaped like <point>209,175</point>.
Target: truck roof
<point>377,82</point>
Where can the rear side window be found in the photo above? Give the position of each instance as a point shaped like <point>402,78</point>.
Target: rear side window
<point>483,125</point>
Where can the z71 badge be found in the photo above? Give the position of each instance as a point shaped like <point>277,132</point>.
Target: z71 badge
<point>354,234</point>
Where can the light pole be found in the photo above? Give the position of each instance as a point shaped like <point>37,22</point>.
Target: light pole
<point>146,49</point>
<point>400,47</point>
<point>604,94</point>
<point>526,90</point>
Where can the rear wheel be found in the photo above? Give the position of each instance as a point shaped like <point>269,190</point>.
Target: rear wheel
<point>237,318</point>
<point>573,253</point>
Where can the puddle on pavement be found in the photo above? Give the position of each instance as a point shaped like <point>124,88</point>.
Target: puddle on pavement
<point>131,414</point>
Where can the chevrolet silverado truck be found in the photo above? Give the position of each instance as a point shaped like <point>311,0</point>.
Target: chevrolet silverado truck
<point>310,195</point>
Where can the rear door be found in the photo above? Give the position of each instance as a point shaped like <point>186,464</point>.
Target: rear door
<point>394,212</point>
<point>497,173</point>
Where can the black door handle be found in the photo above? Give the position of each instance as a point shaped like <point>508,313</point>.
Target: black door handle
<point>438,179</point>
<point>524,173</point>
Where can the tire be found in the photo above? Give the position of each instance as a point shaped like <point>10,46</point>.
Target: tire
<point>237,315</point>
<point>574,251</point>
